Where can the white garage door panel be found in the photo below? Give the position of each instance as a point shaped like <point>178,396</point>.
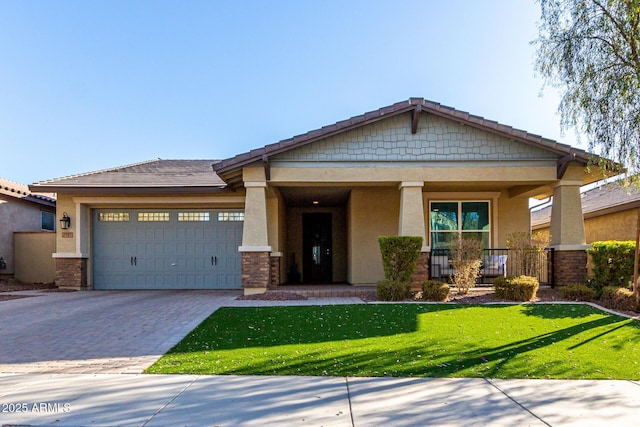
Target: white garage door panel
<point>166,254</point>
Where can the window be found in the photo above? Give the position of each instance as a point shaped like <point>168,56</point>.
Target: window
<point>230,216</point>
<point>449,219</point>
<point>153,216</point>
<point>48,221</point>
<point>193,216</point>
<point>113,216</point>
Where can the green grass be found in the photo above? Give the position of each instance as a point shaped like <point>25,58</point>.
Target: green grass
<point>411,340</point>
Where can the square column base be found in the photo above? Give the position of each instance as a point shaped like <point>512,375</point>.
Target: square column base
<point>569,266</point>
<point>422,271</point>
<point>256,272</point>
<point>71,273</point>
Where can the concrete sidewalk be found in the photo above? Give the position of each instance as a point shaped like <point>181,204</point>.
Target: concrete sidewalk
<point>163,400</point>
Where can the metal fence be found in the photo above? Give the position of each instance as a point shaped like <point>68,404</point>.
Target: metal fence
<point>499,262</point>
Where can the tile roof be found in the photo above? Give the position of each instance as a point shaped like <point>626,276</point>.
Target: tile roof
<point>21,191</point>
<point>424,106</point>
<point>596,201</point>
<point>155,173</point>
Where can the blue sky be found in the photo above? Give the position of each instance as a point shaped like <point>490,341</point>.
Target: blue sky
<point>93,85</point>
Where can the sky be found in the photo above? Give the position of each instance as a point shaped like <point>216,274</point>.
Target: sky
<point>90,85</point>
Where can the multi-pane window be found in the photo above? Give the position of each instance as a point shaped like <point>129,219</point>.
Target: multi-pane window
<point>450,219</point>
<point>193,216</point>
<point>153,216</point>
<point>48,220</point>
<point>113,216</point>
<point>230,216</point>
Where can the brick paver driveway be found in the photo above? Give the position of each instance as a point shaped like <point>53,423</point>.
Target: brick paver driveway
<point>100,331</point>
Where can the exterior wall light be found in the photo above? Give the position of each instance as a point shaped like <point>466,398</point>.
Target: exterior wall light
<point>65,221</point>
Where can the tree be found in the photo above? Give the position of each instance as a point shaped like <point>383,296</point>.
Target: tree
<point>590,49</point>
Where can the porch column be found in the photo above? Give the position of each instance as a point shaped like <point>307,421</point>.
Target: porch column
<point>412,224</point>
<point>255,247</point>
<point>567,234</point>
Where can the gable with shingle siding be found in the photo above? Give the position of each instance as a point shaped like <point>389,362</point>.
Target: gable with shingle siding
<point>437,139</point>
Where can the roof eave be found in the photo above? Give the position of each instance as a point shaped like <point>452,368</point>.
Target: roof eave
<point>61,189</point>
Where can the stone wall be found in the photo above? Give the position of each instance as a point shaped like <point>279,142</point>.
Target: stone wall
<point>71,273</point>
<point>256,269</point>
<point>569,267</point>
<point>422,271</point>
<point>275,270</point>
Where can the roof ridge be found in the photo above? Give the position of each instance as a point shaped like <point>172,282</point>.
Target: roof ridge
<point>112,169</point>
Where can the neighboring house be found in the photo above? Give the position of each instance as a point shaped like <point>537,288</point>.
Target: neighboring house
<point>610,212</point>
<point>22,211</point>
<point>311,208</point>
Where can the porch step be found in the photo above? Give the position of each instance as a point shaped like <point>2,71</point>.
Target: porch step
<point>327,291</point>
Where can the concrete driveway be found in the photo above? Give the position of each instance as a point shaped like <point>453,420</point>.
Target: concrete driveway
<point>100,331</point>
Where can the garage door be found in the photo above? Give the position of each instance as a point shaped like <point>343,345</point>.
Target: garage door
<point>167,249</point>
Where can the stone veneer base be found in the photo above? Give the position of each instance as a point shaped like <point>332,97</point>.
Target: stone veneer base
<point>71,273</point>
<point>569,267</point>
<point>256,270</point>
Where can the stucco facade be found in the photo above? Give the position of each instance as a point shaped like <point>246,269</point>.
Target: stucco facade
<point>20,211</point>
<point>610,212</point>
<point>314,205</point>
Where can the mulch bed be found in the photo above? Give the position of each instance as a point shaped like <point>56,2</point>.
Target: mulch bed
<point>273,296</point>
<point>9,284</point>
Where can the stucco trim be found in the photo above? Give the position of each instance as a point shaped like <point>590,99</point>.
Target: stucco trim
<point>69,255</point>
<point>254,249</point>
<point>410,184</point>
<point>570,247</point>
<point>255,184</point>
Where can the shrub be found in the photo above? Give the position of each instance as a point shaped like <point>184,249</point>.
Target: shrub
<point>618,298</point>
<point>399,256</point>
<point>392,290</point>
<point>612,263</point>
<point>516,288</point>
<point>434,290</point>
<point>578,292</point>
<point>525,250</point>
<point>466,253</point>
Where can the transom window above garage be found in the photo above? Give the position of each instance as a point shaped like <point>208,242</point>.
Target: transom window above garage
<point>153,216</point>
<point>230,216</point>
<point>113,216</point>
<point>193,216</point>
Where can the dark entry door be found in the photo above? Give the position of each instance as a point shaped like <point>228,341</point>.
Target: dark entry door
<point>316,247</point>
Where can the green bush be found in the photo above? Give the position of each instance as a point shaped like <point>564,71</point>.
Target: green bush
<point>516,288</point>
<point>466,253</point>
<point>618,298</point>
<point>399,256</point>
<point>392,290</point>
<point>578,292</point>
<point>434,290</point>
<point>612,264</point>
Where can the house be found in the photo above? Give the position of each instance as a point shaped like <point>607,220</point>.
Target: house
<point>26,217</point>
<point>610,212</point>
<point>311,207</point>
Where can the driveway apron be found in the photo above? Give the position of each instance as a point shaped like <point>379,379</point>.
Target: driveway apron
<point>100,331</point>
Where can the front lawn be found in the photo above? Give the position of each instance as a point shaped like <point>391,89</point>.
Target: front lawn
<point>404,340</point>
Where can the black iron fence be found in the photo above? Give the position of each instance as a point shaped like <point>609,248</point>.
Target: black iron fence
<point>499,262</point>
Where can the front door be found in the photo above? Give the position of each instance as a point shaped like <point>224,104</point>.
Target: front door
<point>317,247</point>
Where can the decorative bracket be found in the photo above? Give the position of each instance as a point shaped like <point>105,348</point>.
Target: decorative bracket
<point>563,164</point>
<point>267,167</point>
<point>415,119</point>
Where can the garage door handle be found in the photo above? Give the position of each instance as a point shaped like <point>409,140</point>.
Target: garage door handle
<point>131,260</point>
<point>135,260</point>
<point>214,260</point>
